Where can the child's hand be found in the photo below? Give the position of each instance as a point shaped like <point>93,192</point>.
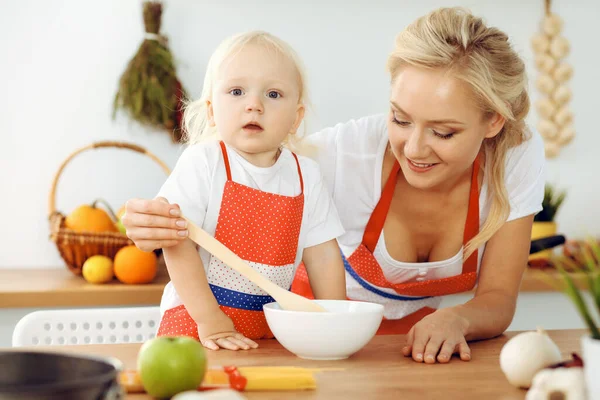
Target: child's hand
<point>220,333</point>
<point>228,340</point>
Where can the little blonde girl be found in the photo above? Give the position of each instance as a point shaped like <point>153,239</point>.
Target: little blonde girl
<point>240,181</point>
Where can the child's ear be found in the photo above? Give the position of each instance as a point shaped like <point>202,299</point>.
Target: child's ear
<point>210,114</point>
<point>299,117</point>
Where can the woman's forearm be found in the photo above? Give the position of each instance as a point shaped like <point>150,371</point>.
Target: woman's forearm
<point>189,278</point>
<point>486,315</point>
<point>504,261</point>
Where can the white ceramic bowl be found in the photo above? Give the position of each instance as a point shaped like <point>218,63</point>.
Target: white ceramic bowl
<point>344,329</point>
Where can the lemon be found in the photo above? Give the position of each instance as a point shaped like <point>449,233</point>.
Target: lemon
<point>98,269</point>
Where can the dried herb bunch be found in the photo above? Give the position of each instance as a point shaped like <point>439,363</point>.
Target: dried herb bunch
<point>149,90</point>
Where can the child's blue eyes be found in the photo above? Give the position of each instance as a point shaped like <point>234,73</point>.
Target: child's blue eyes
<point>273,94</point>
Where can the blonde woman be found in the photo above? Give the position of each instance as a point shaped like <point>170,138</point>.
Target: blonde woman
<point>436,197</point>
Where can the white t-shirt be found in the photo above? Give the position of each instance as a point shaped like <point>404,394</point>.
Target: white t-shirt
<point>351,159</point>
<point>198,180</point>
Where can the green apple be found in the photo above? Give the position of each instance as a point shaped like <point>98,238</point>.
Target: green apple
<point>119,223</point>
<point>170,365</point>
<point>120,227</point>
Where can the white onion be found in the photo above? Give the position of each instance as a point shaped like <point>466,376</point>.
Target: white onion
<point>525,354</point>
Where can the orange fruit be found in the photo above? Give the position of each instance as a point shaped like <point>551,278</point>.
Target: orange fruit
<point>90,218</point>
<point>132,265</point>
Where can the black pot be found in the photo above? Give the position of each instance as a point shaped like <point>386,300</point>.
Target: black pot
<point>26,375</point>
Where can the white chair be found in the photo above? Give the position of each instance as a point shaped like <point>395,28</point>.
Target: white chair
<point>86,326</point>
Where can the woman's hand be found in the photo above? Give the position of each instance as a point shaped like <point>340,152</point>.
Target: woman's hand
<point>219,332</point>
<point>437,337</point>
<point>154,224</point>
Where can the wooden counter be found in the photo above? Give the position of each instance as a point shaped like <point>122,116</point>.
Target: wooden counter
<point>58,287</point>
<point>61,288</point>
<point>378,371</point>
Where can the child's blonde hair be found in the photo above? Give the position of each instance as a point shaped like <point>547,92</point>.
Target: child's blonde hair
<point>195,116</point>
<point>483,58</point>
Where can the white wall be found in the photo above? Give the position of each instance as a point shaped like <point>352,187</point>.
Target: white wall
<point>61,61</point>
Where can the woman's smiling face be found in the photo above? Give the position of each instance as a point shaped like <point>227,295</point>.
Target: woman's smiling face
<point>435,126</point>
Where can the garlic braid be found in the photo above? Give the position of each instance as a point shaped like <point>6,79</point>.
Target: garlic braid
<point>555,117</point>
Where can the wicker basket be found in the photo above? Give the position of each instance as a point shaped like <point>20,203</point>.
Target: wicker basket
<point>76,247</point>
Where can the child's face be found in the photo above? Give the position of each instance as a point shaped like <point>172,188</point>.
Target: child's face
<point>255,101</point>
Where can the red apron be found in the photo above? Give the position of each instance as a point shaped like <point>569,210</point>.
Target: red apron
<point>365,269</point>
<point>262,228</point>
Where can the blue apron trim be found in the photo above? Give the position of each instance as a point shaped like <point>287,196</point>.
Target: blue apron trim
<point>372,289</point>
<point>243,301</point>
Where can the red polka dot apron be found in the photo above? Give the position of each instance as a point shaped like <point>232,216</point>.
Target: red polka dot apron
<point>364,268</point>
<point>263,229</point>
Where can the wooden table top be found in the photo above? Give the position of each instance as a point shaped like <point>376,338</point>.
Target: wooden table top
<point>378,371</point>
<point>61,288</point>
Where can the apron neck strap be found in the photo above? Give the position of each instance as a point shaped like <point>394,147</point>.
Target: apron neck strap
<point>228,167</point>
<point>375,224</point>
<point>299,172</point>
<point>225,160</point>
<point>377,220</point>
<point>472,224</point>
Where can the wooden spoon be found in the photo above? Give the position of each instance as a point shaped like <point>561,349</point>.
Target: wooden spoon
<point>286,299</point>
